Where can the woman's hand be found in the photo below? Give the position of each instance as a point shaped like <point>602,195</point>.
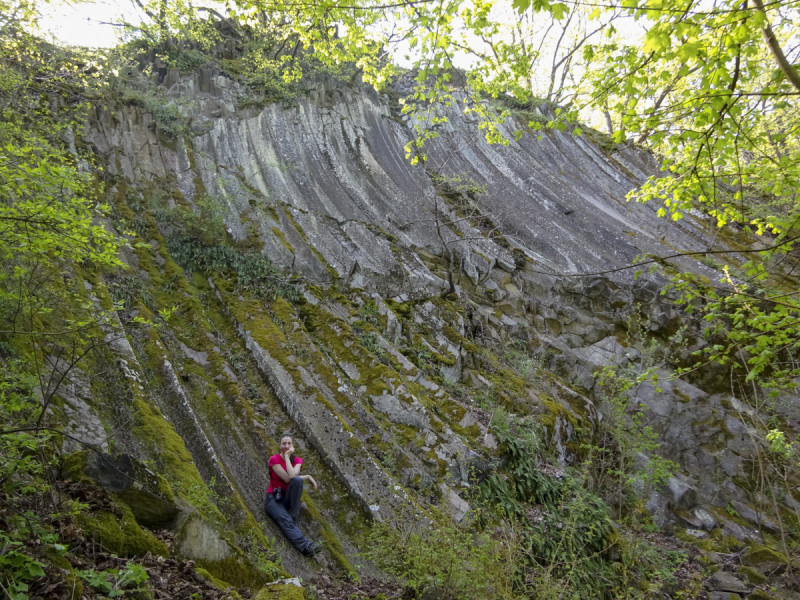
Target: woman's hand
<point>291,470</point>
<point>311,479</point>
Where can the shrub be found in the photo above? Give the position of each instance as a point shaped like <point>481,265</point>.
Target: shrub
<point>254,271</point>
<point>562,530</point>
<point>449,562</point>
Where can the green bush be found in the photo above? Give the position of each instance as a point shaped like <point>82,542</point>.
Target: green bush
<point>17,568</point>
<point>561,530</point>
<point>269,86</point>
<point>114,583</point>
<point>448,562</point>
<point>186,60</point>
<point>168,114</point>
<point>254,272</point>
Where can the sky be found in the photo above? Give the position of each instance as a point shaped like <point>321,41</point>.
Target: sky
<point>86,24</point>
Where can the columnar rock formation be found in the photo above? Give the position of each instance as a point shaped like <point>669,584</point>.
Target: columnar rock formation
<point>410,282</point>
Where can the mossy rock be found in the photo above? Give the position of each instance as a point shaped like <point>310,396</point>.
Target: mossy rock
<point>724,543</point>
<point>761,595</point>
<point>120,533</point>
<point>753,576</point>
<point>215,581</point>
<point>331,542</point>
<point>765,559</point>
<point>197,539</point>
<point>282,590</point>
<point>147,494</point>
<point>152,429</point>
<point>236,570</point>
<point>202,542</point>
<point>72,466</point>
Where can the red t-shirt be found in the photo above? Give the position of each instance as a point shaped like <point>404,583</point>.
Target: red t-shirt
<point>274,480</point>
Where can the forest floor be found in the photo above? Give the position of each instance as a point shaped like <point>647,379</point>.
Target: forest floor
<point>162,578</point>
<point>156,577</point>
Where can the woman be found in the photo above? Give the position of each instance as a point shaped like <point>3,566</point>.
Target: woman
<point>284,493</point>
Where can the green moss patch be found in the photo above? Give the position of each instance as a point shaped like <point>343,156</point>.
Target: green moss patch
<point>332,543</point>
<point>120,533</point>
<point>219,583</point>
<point>235,570</point>
<point>281,591</point>
<point>753,576</point>
<point>73,465</point>
<point>765,559</point>
<point>761,595</point>
<point>178,464</point>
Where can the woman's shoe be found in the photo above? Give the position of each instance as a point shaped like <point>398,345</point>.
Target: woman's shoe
<point>313,549</point>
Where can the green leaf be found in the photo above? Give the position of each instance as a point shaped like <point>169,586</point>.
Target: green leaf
<point>559,11</point>
<point>656,41</point>
<point>740,34</point>
<point>521,5</point>
<point>689,50</point>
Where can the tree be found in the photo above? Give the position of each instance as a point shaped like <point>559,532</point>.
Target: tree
<point>50,209</point>
<point>712,92</point>
<point>50,228</point>
<point>711,99</point>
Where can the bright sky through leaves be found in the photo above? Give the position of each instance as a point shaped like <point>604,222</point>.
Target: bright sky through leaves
<point>92,24</point>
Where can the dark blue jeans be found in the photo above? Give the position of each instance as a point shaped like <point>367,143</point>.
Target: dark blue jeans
<point>285,514</point>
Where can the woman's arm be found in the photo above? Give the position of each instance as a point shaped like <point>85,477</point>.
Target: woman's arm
<point>291,470</point>
<point>281,472</point>
<point>287,470</point>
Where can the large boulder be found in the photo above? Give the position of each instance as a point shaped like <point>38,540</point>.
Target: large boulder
<point>148,494</point>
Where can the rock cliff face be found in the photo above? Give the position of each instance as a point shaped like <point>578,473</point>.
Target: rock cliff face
<point>413,301</point>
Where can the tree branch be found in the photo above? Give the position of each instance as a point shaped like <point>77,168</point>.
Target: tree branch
<point>660,259</point>
<point>774,47</point>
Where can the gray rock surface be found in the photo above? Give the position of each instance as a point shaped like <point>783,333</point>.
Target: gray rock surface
<point>198,540</point>
<point>321,188</point>
<point>722,581</point>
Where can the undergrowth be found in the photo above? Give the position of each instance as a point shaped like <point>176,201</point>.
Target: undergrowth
<point>535,531</point>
